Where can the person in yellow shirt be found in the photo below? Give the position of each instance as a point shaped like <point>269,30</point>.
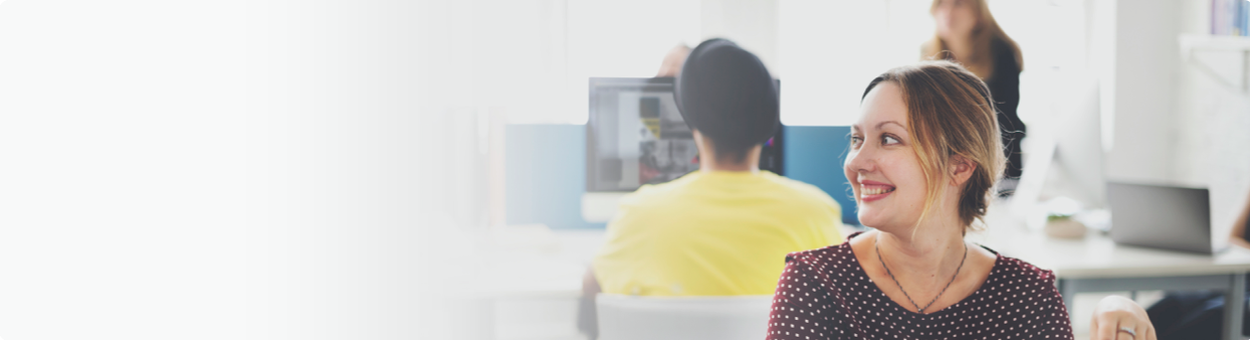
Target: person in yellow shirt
<point>726,228</point>
<point>713,232</point>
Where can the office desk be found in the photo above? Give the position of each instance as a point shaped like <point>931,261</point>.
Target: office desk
<point>525,298</point>
<point>525,286</point>
<point>1093,264</point>
<point>1098,264</point>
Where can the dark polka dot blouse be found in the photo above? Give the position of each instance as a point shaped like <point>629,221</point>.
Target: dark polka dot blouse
<point>825,294</point>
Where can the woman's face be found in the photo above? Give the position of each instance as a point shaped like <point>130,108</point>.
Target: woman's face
<point>955,18</point>
<point>881,166</point>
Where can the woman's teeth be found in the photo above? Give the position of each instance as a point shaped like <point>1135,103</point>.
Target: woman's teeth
<point>876,191</point>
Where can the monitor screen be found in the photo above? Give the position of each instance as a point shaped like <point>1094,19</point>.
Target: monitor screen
<point>636,136</point>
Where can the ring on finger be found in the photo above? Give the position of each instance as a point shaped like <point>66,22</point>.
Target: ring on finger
<point>1130,331</point>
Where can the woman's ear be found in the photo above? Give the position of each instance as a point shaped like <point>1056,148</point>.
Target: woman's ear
<point>961,170</point>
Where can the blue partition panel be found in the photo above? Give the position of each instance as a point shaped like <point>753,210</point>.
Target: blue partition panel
<point>545,166</point>
<point>545,170</point>
<point>814,155</point>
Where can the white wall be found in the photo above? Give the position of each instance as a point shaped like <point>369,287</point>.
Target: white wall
<point>1146,73</point>
<point>752,24</point>
<point>829,51</point>
<point>1211,120</point>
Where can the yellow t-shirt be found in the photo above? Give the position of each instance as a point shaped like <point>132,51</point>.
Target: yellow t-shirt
<point>713,233</point>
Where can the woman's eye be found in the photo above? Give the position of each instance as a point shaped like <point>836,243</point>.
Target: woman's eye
<point>887,140</point>
<point>856,141</point>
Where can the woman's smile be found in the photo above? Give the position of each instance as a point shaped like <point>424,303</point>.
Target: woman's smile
<point>872,190</point>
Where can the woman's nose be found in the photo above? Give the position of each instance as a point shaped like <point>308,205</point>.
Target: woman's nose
<point>860,160</point>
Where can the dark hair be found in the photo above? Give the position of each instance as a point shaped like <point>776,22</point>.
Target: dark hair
<point>728,95</point>
<point>950,114</point>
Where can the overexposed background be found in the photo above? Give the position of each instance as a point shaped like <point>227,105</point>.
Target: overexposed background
<point>121,194</point>
<point>315,169</point>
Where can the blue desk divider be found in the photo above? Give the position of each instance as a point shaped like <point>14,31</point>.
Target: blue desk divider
<point>814,155</point>
<point>545,166</point>
<point>545,170</point>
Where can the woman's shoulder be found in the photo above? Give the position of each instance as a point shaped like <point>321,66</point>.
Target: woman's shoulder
<point>1005,55</point>
<point>1017,271</point>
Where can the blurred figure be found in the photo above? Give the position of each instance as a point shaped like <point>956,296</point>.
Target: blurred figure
<point>676,57</point>
<point>1200,314</point>
<point>968,34</point>
<point>1238,236</point>
<point>725,229</point>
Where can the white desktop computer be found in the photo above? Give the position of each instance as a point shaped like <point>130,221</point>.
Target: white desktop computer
<point>1064,159</point>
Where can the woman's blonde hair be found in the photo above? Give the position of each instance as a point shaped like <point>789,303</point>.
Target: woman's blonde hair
<point>951,117</point>
<point>981,61</point>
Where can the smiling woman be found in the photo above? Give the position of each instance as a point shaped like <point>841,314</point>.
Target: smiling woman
<point>922,162</point>
<point>945,114</point>
<point>923,158</point>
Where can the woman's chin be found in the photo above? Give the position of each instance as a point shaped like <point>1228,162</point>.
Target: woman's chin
<point>870,219</point>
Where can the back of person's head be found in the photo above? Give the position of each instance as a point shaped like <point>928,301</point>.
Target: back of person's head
<point>728,95</point>
<point>951,115</point>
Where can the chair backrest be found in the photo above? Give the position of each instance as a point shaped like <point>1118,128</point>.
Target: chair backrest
<point>624,317</point>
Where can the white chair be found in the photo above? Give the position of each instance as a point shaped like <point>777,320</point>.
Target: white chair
<point>624,317</point>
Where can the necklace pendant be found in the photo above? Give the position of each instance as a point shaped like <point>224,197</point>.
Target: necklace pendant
<point>876,247</point>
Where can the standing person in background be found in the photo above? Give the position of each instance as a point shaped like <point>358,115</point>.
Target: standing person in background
<point>966,33</point>
<point>1238,236</point>
<point>671,66</point>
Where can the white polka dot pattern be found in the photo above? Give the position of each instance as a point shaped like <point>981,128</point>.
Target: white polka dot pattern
<point>825,294</point>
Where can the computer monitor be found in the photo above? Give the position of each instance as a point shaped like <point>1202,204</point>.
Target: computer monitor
<point>636,136</point>
<point>1064,156</point>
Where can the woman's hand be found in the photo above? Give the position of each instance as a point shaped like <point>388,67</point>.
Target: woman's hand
<point>1116,312</point>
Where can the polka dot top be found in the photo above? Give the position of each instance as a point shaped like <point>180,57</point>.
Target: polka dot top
<point>825,294</point>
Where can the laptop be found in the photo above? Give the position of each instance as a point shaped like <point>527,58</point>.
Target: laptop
<point>1159,216</point>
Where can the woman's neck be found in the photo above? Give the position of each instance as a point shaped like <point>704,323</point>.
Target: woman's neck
<point>930,251</point>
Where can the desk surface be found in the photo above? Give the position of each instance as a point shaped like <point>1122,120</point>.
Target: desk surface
<point>533,264</point>
<point>1097,256</point>
<point>557,271</point>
